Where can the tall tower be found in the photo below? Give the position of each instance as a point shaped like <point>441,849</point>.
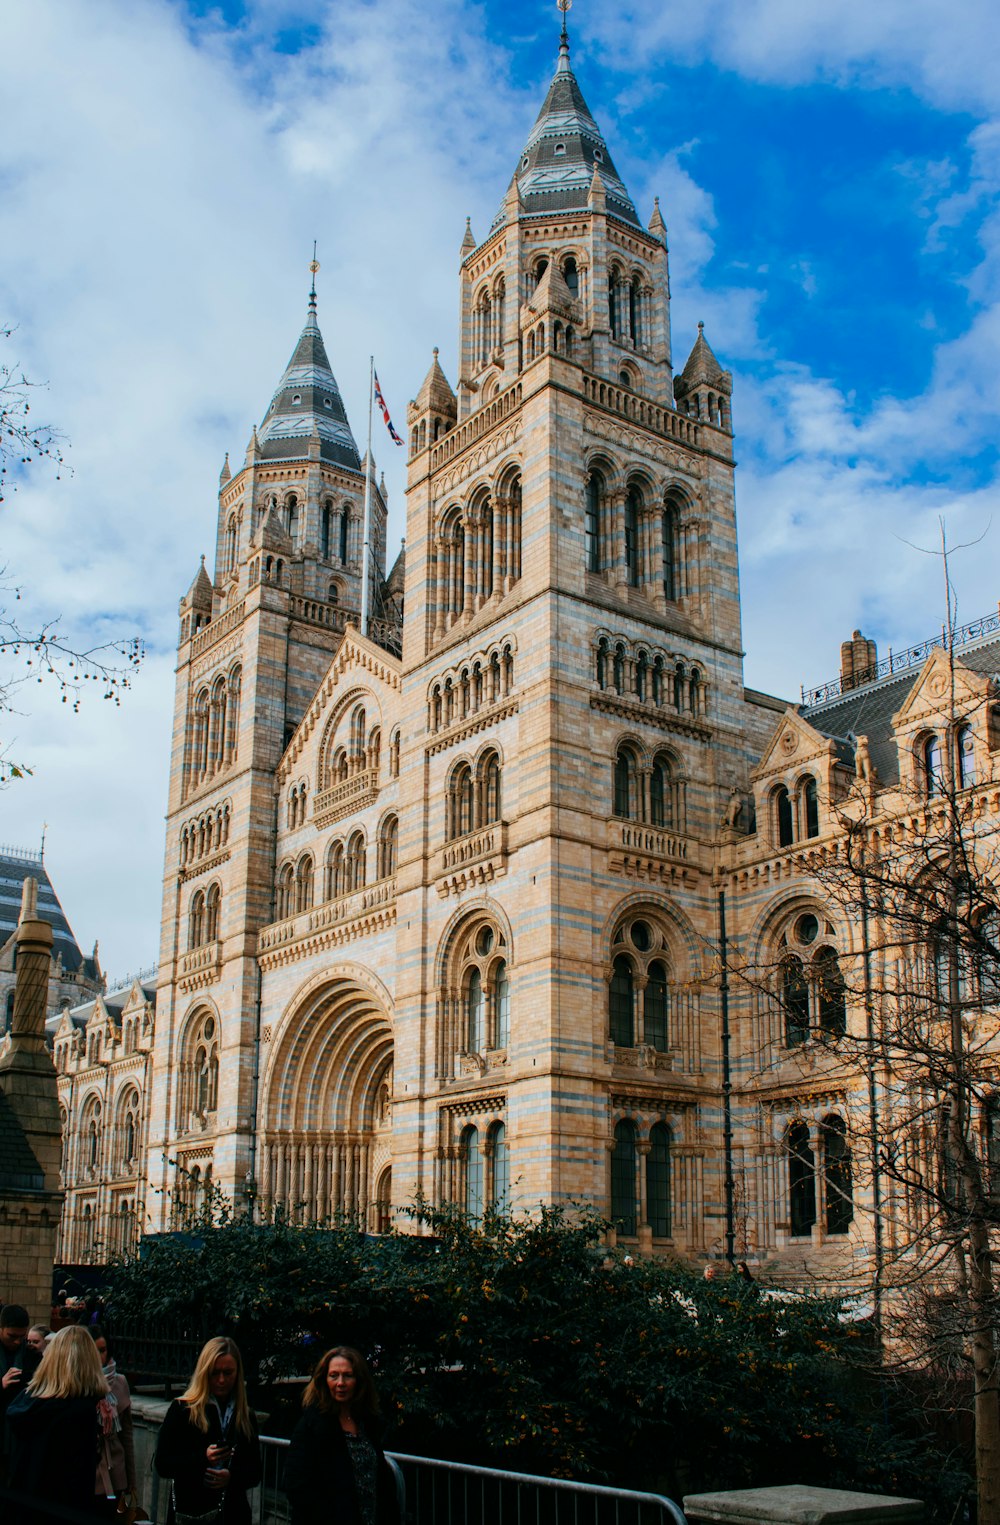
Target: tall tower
<point>572,689</point>
<point>256,638</point>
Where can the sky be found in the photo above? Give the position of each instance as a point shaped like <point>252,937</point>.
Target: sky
<point>829,179</point>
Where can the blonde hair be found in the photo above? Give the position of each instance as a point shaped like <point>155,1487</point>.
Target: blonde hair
<point>70,1367</point>
<point>199,1393</point>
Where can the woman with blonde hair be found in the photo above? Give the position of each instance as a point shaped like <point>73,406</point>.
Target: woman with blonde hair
<point>208,1442</point>
<point>54,1428</point>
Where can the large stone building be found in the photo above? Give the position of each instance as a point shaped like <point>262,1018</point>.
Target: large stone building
<point>444,896</point>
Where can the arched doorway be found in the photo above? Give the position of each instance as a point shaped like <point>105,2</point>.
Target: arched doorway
<point>327,1107</point>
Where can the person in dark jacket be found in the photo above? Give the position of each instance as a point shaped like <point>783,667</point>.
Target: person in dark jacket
<point>18,1364</point>
<point>336,1472</point>
<point>54,1429</point>
<point>208,1443</point>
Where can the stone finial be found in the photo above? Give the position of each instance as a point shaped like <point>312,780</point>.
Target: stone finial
<point>469,240</point>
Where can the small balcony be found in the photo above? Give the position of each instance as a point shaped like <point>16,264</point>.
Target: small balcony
<point>349,795</point>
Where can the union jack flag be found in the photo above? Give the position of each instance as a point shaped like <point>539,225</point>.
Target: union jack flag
<point>385,412</point>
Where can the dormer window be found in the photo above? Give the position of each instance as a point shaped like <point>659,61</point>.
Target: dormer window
<point>598,156</point>
<point>327,403</point>
<point>297,398</point>
<point>560,148</point>
<point>524,162</point>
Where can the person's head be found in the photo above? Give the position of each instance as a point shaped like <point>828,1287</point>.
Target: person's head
<point>37,1335</point>
<point>218,1378</point>
<point>14,1322</point>
<point>70,1367</point>
<point>99,1335</point>
<point>342,1379</point>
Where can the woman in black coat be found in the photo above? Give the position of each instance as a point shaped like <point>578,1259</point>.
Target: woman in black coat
<point>54,1429</point>
<point>208,1443</point>
<point>336,1472</point>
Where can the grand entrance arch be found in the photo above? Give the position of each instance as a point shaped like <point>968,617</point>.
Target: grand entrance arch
<point>328,1106</point>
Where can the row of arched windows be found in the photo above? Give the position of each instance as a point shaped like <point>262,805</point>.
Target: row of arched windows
<point>123,1146</point>
<point>932,751</point>
<point>486,680</point>
<point>473,799</point>
<point>633,538</point>
<point>488,322</point>
<point>215,724</point>
<point>650,676</point>
<point>203,919</point>
<point>647,792</point>
<point>629,306</point>
<point>205,835</point>
<point>344,870</point>
<point>477,553</point>
<point>795,812</point>
<point>835,1177</point>
<point>335,532</point>
<point>359,752</point>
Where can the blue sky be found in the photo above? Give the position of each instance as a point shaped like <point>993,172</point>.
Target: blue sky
<point>829,177</point>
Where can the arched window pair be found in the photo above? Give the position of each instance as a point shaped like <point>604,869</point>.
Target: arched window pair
<point>346,867</point>
<point>835,1180</point>
<point>91,1129</point>
<point>297,801</point>
<point>215,720</point>
<point>477,552</point>
<point>485,1172</point>
<point>203,919</point>
<point>811,988</point>
<point>128,1130</point>
<point>198,1083</point>
<point>796,814</point>
<point>626,1186</point>
<point>931,757</point>
<point>652,795</point>
<point>639,991</point>
<point>487,1007</point>
<point>473,797</point>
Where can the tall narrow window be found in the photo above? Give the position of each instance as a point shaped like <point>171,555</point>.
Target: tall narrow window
<point>592,522</point>
<point>810,797</point>
<point>795,1002</point>
<point>500,1196</point>
<point>476,1013</point>
<point>472,1161</point>
<point>671,589</point>
<point>801,1181</point>
<point>324,531</point>
<point>342,531</point>
<point>571,276</point>
<point>621,1004</point>
<point>654,1007</point>
<point>626,782</point>
<point>502,1000</point>
<point>624,1207</point>
<point>659,793</point>
<point>633,512</point>
<point>837,1183</point>
<point>783,810</point>
<point>658,1181</point>
<point>830,994</point>
<point>966,757</point>
<point>933,776</point>
<point>491,790</point>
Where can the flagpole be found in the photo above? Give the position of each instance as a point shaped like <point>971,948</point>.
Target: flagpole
<point>365,555</point>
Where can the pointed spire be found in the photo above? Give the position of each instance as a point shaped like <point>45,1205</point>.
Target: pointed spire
<point>596,199</point>
<point>657,226</point>
<point>435,393</point>
<point>308,402</point>
<point>563,65</point>
<point>225,475</point>
<point>469,241</point>
<point>564,150</point>
<point>199,595</point>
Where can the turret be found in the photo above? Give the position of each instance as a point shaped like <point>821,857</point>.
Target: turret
<point>703,389</point>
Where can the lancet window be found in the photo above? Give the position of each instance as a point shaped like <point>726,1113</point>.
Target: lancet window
<point>474,796</point>
<point>647,789</point>
<point>811,990</point>
<point>639,992</point>
<point>474,998</point>
<point>198,1081</point>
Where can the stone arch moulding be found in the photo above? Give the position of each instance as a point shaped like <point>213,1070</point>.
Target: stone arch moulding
<point>486,906</point>
<point>355,695</point>
<point>643,901</point>
<point>807,896</point>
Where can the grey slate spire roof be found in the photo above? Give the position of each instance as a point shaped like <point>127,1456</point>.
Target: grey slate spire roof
<point>560,156</point>
<point>15,867</point>
<point>308,403</point>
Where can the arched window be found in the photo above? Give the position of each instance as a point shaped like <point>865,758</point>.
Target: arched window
<point>475,1010</point>
<point>660,796</point>
<point>641,675</point>
<point>472,1172</point>
<point>460,795</point>
<point>626,789</point>
<point>394,742</point>
<point>810,800</point>
<point>196,920</point>
<point>388,839</point>
<point>325,521</point>
<point>795,1002</point>
<point>621,1003</point>
<point>837,1184</point>
<point>490,773</point>
<point>592,521</point>
<point>658,1181</point>
<point>355,862</point>
<point>618,669</point>
<point>500,1194</point>
<point>213,901</point>
<point>304,875</point>
<point>571,276</point>
<point>624,1207</point>
<point>831,999</point>
<point>801,1180</point>
<point>965,757</point>
<point>501,999</point>
<point>285,900</point>
<point>671,534</point>
<point>933,775</point>
<point>655,1007</point>
<point>783,816</point>
<point>633,515</point>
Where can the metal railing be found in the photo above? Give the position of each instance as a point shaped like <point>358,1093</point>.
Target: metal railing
<point>900,661</point>
<point>433,1492</point>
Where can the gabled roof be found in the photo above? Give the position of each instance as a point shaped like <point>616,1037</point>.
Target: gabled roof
<point>564,149</point>
<point>308,403</point>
